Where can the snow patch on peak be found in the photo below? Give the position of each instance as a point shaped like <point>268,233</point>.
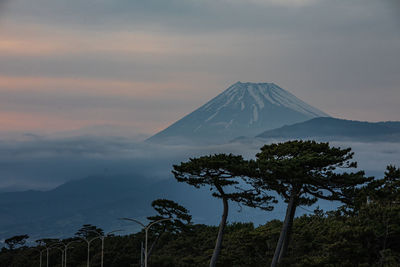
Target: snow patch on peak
<point>229,124</point>
<point>255,95</point>
<point>269,93</point>
<point>255,116</point>
<point>212,116</point>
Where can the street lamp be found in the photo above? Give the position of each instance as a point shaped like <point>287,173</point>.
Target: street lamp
<point>102,237</point>
<point>47,256</point>
<point>62,254</point>
<point>88,247</point>
<point>41,254</point>
<point>146,229</point>
<point>47,247</point>
<point>65,250</point>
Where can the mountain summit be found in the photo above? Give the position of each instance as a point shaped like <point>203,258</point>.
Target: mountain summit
<point>244,109</point>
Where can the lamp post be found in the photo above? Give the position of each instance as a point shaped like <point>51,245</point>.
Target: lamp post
<point>65,250</point>
<point>47,257</point>
<point>46,244</point>
<point>62,254</point>
<point>41,254</point>
<point>141,254</point>
<point>102,237</point>
<point>146,229</point>
<point>88,248</point>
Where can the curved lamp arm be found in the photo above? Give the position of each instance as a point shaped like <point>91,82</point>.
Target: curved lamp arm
<point>133,220</point>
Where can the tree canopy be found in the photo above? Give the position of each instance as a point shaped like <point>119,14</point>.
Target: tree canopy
<point>303,172</point>
<point>88,231</point>
<point>15,241</point>
<point>166,208</point>
<point>220,172</point>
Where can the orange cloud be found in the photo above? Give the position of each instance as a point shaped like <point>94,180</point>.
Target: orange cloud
<point>40,40</point>
<point>44,120</point>
<point>12,121</point>
<point>47,123</point>
<point>27,47</point>
<point>93,86</point>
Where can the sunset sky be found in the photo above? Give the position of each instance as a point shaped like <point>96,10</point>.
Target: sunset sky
<point>141,65</point>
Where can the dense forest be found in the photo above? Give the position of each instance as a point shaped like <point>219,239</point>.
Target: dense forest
<point>363,231</point>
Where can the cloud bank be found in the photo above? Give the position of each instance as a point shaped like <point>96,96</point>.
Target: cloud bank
<point>43,163</point>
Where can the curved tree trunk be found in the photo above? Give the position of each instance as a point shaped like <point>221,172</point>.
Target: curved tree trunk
<point>284,232</point>
<point>222,224</point>
<point>152,246</point>
<point>155,242</point>
<point>288,233</point>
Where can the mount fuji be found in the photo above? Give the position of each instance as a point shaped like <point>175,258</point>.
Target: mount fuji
<point>244,109</point>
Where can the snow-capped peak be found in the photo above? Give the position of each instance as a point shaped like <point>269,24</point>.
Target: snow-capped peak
<point>242,109</point>
<point>264,94</point>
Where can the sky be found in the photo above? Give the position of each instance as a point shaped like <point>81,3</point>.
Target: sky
<point>138,66</point>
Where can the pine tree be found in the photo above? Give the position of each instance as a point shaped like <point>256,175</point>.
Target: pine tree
<point>220,172</point>
<point>302,172</point>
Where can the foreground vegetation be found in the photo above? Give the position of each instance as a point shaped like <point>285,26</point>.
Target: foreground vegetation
<point>370,236</point>
<point>364,231</point>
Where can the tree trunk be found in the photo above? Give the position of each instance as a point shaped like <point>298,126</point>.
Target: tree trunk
<point>284,231</point>
<point>218,243</point>
<point>152,246</point>
<point>288,233</point>
<point>382,252</point>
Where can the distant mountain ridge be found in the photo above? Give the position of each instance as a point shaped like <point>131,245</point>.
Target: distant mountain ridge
<point>337,129</point>
<point>242,109</point>
<point>101,200</point>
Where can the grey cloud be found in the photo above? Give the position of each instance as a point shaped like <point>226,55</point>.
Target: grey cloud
<point>43,162</point>
<point>185,15</point>
<point>61,101</point>
<point>374,157</point>
<point>3,6</point>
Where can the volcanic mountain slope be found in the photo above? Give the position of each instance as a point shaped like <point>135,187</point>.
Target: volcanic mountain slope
<point>244,109</point>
